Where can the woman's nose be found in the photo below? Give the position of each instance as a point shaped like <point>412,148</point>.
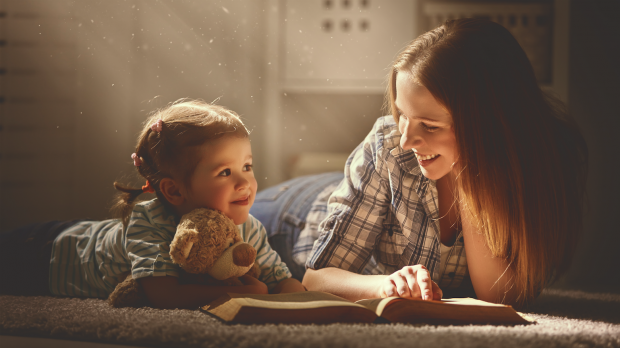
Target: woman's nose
<point>409,139</point>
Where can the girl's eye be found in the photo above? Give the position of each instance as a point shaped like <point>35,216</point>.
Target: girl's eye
<point>225,172</point>
<point>429,128</point>
<point>248,167</point>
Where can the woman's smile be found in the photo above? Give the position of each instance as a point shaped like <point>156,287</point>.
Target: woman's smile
<point>426,160</point>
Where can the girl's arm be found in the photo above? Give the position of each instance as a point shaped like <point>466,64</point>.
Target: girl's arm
<point>272,271</point>
<point>409,282</point>
<point>490,276</point>
<point>288,285</point>
<point>167,293</point>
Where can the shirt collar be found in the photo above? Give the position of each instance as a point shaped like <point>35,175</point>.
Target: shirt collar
<point>406,160</point>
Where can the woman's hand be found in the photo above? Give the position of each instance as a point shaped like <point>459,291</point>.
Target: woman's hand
<point>410,282</point>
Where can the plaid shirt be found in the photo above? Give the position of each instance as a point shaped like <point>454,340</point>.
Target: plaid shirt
<point>386,211</point>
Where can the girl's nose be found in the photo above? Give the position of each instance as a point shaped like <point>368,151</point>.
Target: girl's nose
<point>242,183</point>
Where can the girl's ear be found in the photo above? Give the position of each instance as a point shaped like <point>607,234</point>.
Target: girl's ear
<point>172,191</point>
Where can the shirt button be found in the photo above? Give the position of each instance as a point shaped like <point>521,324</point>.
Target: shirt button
<point>158,264</point>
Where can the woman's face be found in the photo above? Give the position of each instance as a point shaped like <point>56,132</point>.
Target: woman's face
<point>426,128</point>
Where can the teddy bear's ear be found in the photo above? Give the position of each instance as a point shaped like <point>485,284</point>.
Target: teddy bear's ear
<point>182,245</point>
<point>187,248</point>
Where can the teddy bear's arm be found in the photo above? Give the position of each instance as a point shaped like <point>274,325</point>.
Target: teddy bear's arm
<point>166,292</point>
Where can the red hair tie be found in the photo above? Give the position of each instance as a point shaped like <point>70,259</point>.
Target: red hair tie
<point>148,188</point>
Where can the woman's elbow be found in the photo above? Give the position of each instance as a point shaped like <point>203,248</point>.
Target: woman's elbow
<point>309,280</point>
<point>508,298</point>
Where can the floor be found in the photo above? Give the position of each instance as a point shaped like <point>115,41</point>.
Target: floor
<point>31,342</point>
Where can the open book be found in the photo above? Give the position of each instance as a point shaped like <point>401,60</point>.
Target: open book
<point>323,308</point>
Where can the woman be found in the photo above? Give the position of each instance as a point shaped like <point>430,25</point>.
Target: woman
<point>475,182</point>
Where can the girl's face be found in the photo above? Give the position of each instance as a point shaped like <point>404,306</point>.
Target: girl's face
<point>426,128</point>
<point>224,179</point>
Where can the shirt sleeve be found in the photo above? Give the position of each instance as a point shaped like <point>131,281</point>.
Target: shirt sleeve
<point>272,269</point>
<point>356,210</point>
<point>148,246</point>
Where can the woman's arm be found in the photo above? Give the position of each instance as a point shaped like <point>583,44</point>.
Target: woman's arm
<point>350,232</point>
<point>490,276</point>
<point>345,284</point>
<point>354,222</point>
<point>409,282</point>
<point>167,293</point>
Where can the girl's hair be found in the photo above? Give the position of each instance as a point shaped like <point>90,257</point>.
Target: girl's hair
<point>173,150</point>
<point>522,161</point>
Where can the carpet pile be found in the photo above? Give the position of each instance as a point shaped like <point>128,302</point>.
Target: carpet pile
<point>564,319</point>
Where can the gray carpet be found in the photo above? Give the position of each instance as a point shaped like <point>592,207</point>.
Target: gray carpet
<point>564,319</point>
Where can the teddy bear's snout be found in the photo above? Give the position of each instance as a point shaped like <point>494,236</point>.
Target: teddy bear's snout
<point>244,255</point>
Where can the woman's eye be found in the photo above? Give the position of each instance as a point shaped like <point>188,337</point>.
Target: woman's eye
<point>225,172</point>
<point>230,244</point>
<point>429,128</point>
<point>247,167</point>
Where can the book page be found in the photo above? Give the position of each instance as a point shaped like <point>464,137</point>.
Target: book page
<point>301,307</point>
<point>446,311</point>
<point>471,302</point>
<point>296,300</point>
<point>475,302</point>
<point>320,307</point>
<point>377,305</point>
<point>451,311</point>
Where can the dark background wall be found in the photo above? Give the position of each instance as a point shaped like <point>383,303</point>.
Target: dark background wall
<point>594,92</point>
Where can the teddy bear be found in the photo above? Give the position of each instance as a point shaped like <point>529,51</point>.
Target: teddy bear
<point>208,248</point>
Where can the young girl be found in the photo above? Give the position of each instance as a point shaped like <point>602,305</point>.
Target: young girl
<point>192,154</point>
<point>474,183</point>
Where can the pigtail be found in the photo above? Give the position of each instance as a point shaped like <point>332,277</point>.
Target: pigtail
<point>125,201</point>
<point>126,197</point>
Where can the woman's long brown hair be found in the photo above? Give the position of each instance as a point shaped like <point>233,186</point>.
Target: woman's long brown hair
<point>522,161</point>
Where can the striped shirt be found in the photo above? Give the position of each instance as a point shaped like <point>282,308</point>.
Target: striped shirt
<point>385,212</point>
<point>91,257</point>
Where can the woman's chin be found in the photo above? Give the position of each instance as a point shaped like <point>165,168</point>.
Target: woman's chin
<point>433,175</point>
